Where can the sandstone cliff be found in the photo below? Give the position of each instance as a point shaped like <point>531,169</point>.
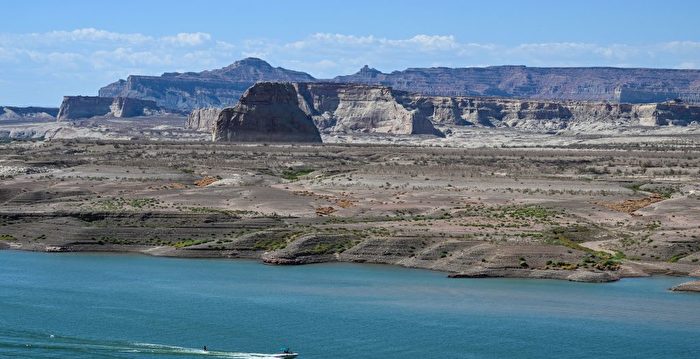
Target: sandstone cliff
<point>202,119</point>
<point>556,83</point>
<point>545,116</point>
<point>76,107</point>
<point>346,108</point>
<point>355,108</point>
<point>223,87</point>
<point>192,90</point>
<point>267,112</point>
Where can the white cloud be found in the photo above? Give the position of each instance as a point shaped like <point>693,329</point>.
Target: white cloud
<point>89,49</point>
<point>99,35</point>
<point>349,52</point>
<point>188,39</point>
<point>93,57</point>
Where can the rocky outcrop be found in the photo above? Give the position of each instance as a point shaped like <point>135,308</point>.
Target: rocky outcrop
<point>28,113</point>
<point>202,119</point>
<point>347,108</point>
<point>192,90</point>
<point>356,108</point>
<point>74,107</point>
<point>543,116</point>
<point>267,112</point>
<point>132,107</point>
<point>334,108</point>
<point>626,85</point>
<point>687,287</point>
<point>77,107</point>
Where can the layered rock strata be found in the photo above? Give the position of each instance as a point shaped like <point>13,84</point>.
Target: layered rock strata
<point>552,115</point>
<point>347,108</point>
<point>267,112</point>
<point>192,90</point>
<point>223,87</point>
<point>333,108</point>
<point>623,85</point>
<point>356,108</point>
<point>77,107</point>
<point>202,119</point>
<point>28,113</point>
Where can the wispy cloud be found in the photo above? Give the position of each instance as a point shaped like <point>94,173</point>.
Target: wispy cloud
<point>81,60</point>
<point>322,54</point>
<point>90,49</point>
<point>349,52</point>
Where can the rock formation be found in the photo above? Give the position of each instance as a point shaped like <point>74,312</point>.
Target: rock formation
<point>202,119</point>
<point>626,85</point>
<point>334,108</point>
<point>546,116</point>
<point>223,87</point>
<point>192,90</point>
<point>355,108</point>
<point>28,113</point>
<point>267,112</point>
<point>693,286</point>
<point>76,107</point>
<point>346,108</point>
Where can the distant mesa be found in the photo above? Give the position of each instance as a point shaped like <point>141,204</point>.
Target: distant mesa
<point>223,87</point>
<point>621,85</point>
<point>37,114</point>
<point>212,88</point>
<point>78,107</point>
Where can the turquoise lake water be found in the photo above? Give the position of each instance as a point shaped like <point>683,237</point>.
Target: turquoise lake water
<point>130,306</point>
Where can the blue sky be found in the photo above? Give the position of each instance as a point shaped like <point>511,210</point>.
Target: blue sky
<point>53,48</point>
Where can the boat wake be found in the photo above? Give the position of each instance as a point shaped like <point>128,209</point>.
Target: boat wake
<point>38,345</point>
<point>170,349</point>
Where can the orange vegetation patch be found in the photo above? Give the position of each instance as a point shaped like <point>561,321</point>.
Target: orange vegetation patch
<point>325,211</point>
<point>632,205</point>
<point>177,186</point>
<point>205,181</point>
<point>344,203</point>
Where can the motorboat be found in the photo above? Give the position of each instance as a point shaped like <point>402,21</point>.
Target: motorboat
<point>286,354</point>
<point>289,355</point>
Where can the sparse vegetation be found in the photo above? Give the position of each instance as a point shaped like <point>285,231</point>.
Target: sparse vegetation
<point>293,174</point>
<point>7,237</point>
<point>188,243</point>
<point>467,205</point>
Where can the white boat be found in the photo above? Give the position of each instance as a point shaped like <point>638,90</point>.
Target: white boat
<point>285,355</point>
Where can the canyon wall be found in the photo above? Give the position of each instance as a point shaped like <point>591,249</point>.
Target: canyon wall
<point>353,108</point>
<point>347,108</point>
<point>543,116</point>
<point>626,85</point>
